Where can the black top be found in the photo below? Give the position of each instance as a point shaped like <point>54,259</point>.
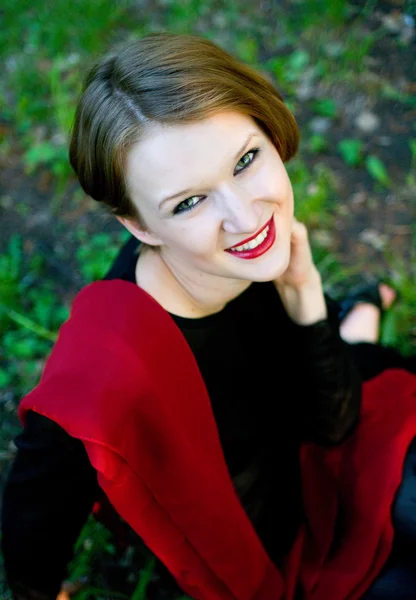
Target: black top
<point>272,384</point>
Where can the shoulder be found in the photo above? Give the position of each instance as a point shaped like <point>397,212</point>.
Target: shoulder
<point>40,432</point>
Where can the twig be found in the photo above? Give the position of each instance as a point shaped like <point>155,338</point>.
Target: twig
<point>31,325</point>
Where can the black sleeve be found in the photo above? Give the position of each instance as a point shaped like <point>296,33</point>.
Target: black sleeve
<point>50,491</point>
<point>331,385</point>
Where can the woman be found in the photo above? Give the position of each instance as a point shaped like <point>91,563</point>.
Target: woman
<point>203,388</point>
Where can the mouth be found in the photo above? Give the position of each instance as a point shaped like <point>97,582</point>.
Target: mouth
<point>257,244</point>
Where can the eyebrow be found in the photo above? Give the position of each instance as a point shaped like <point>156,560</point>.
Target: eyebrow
<point>188,190</point>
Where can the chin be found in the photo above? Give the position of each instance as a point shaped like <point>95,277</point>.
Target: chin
<point>263,275</point>
<point>277,265</point>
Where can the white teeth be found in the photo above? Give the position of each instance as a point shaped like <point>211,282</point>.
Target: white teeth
<point>253,243</point>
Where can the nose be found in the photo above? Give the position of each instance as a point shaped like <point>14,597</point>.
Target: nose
<point>240,213</point>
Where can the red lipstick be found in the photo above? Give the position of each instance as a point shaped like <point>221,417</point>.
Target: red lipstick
<point>258,250</point>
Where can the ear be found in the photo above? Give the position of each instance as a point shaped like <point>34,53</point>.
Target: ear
<point>143,235</point>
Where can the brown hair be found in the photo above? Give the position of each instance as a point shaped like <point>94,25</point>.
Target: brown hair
<point>165,78</point>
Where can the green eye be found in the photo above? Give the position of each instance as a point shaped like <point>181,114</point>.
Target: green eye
<point>188,203</point>
<point>247,163</point>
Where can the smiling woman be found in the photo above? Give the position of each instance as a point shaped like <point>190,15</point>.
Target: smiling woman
<point>202,389</point>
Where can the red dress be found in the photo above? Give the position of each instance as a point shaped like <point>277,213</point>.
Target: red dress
<point>159,459</point>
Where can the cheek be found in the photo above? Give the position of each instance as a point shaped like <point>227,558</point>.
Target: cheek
<point>286,192</point>
<point>264,183</point>
<point>199,237</point>
<point>272,182</point>
<point>289,198</point>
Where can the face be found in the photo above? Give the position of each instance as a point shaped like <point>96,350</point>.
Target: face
<point>232,212</point>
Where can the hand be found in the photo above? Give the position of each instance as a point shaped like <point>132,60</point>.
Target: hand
<point>300,286</point>
<point>301,270</point>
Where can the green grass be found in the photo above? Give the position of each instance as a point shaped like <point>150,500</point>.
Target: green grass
<point>45,44</point>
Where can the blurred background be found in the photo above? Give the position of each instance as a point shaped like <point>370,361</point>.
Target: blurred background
<point>347,71</point>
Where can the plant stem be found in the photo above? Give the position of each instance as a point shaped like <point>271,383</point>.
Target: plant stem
<point>31,325</point>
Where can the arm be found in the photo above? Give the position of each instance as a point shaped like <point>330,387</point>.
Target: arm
<point>331,386</point>
<point>300,286</point>
<point>49,493</point>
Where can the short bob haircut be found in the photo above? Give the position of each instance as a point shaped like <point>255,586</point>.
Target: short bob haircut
<point>164,78</point>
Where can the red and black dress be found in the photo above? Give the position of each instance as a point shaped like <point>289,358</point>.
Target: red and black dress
<point>273,386</point>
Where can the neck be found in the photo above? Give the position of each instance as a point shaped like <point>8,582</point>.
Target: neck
<point>184,293</point>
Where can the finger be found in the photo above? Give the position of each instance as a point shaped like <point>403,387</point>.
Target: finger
<point>299,232</point>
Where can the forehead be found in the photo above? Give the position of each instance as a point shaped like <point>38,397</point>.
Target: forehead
<point>171,157</point>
